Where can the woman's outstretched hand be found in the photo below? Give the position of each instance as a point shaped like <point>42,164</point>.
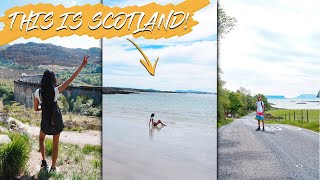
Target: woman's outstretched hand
<point>85,60</point>
<point>65,84</point>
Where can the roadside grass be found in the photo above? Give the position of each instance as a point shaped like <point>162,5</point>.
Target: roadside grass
<point>277,117</point>
<point>223,122</point>
<point>313,115</point>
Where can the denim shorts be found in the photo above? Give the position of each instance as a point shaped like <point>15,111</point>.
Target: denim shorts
<point>259,117</point>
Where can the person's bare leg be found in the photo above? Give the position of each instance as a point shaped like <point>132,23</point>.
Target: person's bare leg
<point>258,126</point>
<point>263,125</point>
<point>159,122</point>
<point>42,137</point>
<point>55,149</point>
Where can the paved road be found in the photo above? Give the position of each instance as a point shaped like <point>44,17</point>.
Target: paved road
<point>280,152</point>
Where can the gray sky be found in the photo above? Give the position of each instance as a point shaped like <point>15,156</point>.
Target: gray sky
<point>274,49</point>
<point>185,63</point>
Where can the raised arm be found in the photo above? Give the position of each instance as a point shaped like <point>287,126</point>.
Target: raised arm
<point>65,84</point>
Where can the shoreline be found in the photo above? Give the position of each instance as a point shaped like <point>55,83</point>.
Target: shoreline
<point>118,90</point>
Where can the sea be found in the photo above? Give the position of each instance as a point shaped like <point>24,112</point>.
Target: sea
<point>295,103</point>
<point>176,108</point>
<point>133,150</point>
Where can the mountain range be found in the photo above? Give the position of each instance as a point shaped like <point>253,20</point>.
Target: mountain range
<point>306,96</point>
<point>36,54</point>
<point>302,96</point>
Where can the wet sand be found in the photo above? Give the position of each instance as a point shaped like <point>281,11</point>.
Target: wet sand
<point>132,151</point>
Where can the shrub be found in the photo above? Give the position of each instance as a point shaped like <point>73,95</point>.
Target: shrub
<point>86,106</point>
<point>95,111</point>
<point>6,93</point>
<point>77,104</point>
<point>14,156</point>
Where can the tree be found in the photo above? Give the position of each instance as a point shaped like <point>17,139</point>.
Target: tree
<point>225,25</point>
<point>65,103</point>
<point>236,102</point>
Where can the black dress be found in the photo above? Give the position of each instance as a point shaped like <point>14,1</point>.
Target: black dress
<point>51,118</point>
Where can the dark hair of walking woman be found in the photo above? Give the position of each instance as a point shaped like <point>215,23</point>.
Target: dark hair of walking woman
<point>48,83</point>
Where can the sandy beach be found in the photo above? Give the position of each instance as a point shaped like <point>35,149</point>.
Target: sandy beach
<point>132,151</point>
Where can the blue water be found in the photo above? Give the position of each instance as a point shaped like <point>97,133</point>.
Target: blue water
<point>188,109</point>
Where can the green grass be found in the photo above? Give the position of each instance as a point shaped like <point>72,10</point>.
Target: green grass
<point>224,122</point>
<point>26,115</point>
<point>79,163</point>
<point>73,163</point>
<point>97,164</point>
<point>89,149</point>
<point>2,124</point>
<point>48,143</point>
<point>14,156</point>
<point>281,116</point>
<point>313,115</point>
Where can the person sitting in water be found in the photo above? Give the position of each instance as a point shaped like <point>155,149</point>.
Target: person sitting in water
<point>155,123</point>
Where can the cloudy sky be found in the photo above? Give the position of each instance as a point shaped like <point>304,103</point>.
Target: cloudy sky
<point>275,47</point>
<point>185,63</point>
<point>70,42</point>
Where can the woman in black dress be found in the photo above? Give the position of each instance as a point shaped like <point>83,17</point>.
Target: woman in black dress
<point>51,118</point>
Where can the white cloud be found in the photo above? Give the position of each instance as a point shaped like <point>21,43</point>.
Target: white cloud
<point>191,66</point>
<point>187,62</point>
<point>274,47</point>
<point>206,29</point>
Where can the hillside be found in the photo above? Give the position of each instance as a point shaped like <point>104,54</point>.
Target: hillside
<point>35,54</point>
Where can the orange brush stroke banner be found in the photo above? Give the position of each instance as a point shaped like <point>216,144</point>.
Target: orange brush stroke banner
<point>151,21</point>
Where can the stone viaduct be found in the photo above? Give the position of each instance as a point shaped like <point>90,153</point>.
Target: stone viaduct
<point>25,87</point>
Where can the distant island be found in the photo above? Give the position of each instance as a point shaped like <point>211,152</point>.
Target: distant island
<point>306,96</point>
<point>275,97</point>
<point>302,96</point>
<point>119,90</point>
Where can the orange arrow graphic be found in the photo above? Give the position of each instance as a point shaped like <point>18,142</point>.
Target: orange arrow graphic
<point>146,62</point>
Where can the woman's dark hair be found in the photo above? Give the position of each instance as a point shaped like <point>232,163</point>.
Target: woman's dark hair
<point>152,115</point>
<point>48,83</point>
